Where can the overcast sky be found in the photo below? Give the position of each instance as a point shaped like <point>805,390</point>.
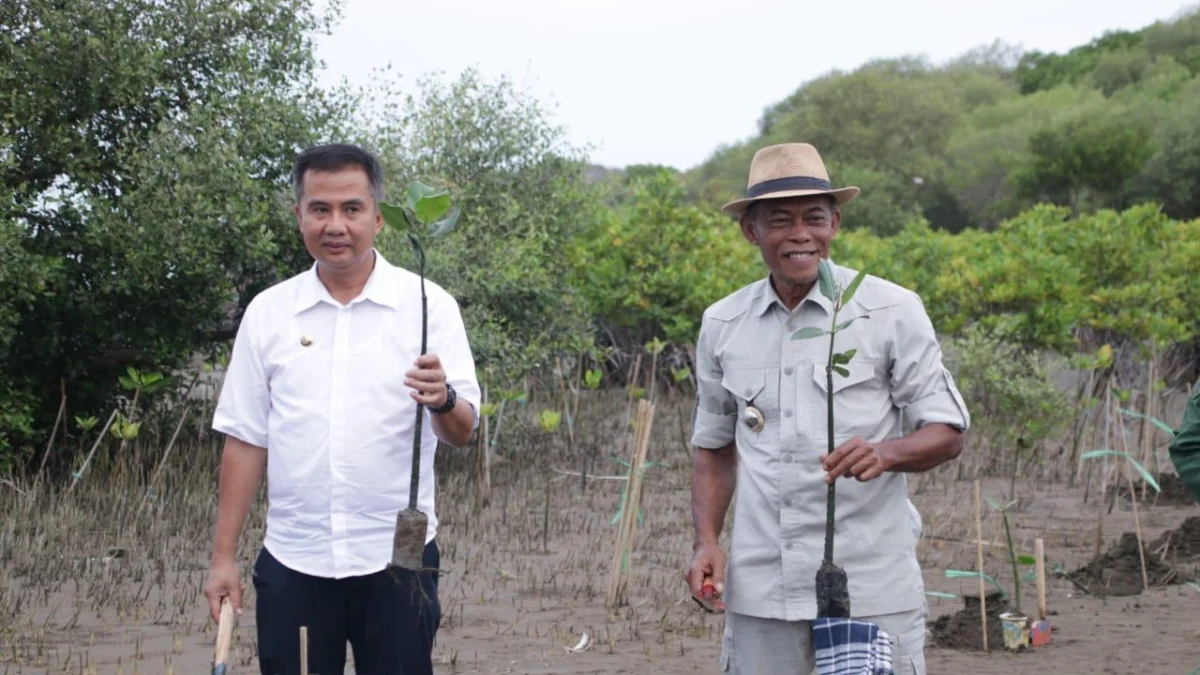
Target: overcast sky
<point>668,81</point>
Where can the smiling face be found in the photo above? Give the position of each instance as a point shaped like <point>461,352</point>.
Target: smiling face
<point>339,219</point>
<point>793,235</point>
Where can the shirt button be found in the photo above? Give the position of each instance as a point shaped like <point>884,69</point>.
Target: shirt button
<point>788,546</point>
<point>791,327</point>
<point>787,413</point>
<point>787,503</point>
<point>787,371</point>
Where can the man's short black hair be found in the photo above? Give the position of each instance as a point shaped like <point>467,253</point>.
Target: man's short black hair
<point>335,157</point>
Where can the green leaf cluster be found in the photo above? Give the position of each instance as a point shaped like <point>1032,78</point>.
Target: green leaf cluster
<point>145,150</point>
<point>976,140</point>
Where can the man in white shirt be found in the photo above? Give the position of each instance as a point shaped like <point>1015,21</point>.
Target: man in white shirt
<point>321,391</point>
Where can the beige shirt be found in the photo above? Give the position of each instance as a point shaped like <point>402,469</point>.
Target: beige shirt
<point>745,354</point>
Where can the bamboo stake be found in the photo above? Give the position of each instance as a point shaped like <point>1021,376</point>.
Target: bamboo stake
<point>1133,498</point>
<point>979,564</point>
<point>303,650</point>
<point>1039,552</point>
<point>1147,432</point>
<point>484,458</point>
<point>619,577</point>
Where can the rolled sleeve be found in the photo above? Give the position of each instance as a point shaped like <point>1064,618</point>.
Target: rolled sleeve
<point>244,406</point>
<point>922,386</point>
<point>448,339</point>
<point>714,420</point>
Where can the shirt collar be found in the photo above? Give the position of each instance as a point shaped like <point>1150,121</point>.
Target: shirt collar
<point>382,287</point>
<point>766,297</point>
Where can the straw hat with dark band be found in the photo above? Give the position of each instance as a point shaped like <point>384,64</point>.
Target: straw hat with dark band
<point>788,170</point>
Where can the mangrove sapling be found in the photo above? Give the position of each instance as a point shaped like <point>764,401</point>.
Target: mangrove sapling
<point>548,420</point>
<point>425,213</point>
<point>1133,498</point>
<point>833,594</point>
<point>1012,551</point>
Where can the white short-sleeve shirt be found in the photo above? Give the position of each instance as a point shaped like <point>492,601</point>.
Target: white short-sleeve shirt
<point>320,385</point>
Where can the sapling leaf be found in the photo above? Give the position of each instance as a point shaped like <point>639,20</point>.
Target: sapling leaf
<point>1154,420</point>
<point>847,322</point>
<point>1115,453</point>
<point>849,293</point>
<point>840,370</point>
<point>956,574</point>
<point>416,191</point>
<point>941,594</point>
<point>446,224</point>
<point>993,503</point>
<point>432,207</point>
<point>825,279</point>
<point>394,216</point>
<point>809,332</point>
<point>842,358</point>
<point>1027,560</point>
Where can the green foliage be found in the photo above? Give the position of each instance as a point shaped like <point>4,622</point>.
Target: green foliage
<point>1133,462</point>
<point>145,149</point>
<point>1013,400</point>
<point>1048,280</point>
<point>977,140</point>
<point>523,197</point>
<point>651,265</point>
<point>1094,150</point>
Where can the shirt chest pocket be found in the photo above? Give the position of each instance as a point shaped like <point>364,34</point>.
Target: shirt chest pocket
<point>756,386</point>
<point>861,398</point>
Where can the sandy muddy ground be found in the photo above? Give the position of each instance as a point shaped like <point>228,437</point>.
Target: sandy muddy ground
<point>510,607</point>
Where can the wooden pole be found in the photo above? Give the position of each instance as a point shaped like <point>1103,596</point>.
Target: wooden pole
<point>619,577</point>
<point>303,650</point>
<point>979,564</point>
<point>224,636</point>
<point>1133,499</point>
<point>483,466</point>
<point>1039,552</point>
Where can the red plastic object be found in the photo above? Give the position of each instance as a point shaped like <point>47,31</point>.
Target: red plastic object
<point>709,599</point>
<point>1040,633</point>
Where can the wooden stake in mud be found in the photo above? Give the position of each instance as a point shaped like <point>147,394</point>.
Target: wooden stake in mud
<point>303,650</point>
<point>1133,499</point>
<point>484,457</point>
<point>618,581</point>
<point>1040,633</point>
<point>979,564</point>
<point>1039,552</point>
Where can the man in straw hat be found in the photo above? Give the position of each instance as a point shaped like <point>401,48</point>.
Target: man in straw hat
<point>760,425</point>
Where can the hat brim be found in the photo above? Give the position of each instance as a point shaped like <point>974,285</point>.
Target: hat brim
<point>842,195</point>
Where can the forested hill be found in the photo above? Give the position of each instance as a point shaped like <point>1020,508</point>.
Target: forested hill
<point>972,142</point>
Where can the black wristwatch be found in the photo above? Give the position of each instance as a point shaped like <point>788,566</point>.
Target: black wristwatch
<point>451,399</point>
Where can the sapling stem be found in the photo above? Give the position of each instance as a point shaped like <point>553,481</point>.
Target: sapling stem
<point>830,506</point>
<point>414,483</point>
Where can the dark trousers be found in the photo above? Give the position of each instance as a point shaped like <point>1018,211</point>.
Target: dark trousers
<point>389,618</point>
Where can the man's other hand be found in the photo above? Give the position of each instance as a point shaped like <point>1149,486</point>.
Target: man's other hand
<point>223,582</point>
<point>855,457</point>
<point>708,561</point>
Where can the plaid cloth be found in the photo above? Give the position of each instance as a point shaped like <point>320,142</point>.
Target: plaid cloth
<point>850,647</point>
